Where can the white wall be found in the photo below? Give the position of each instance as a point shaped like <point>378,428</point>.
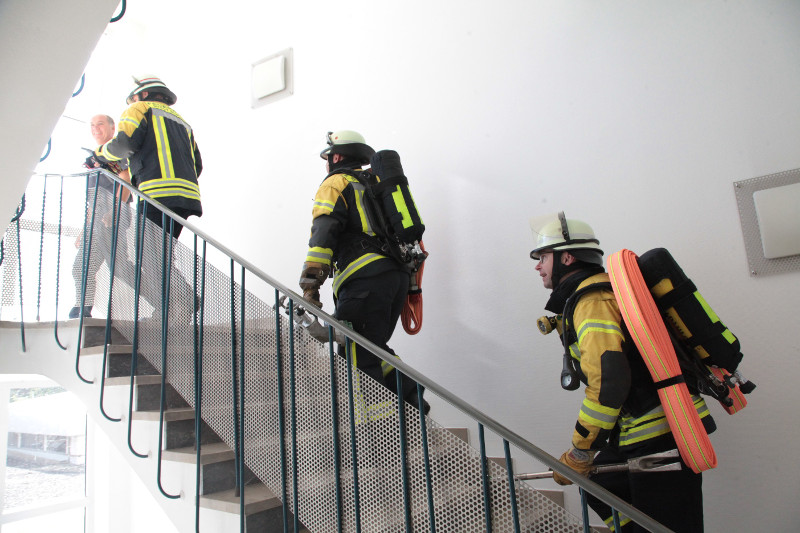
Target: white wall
<point>634,116</point>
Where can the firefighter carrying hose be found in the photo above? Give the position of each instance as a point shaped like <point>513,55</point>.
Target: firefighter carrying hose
<point>621,417</point>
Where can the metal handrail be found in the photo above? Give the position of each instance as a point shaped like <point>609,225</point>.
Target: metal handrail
<point>479,416</point>
<point>483,420</point>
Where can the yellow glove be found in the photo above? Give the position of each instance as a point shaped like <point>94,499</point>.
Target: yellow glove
<point>311,279</point>
<point>578,460</point>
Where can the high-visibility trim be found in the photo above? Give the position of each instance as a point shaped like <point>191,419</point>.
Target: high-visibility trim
<point>726,334</point>
<point>402,207</point>
<point>598,415</point>
<point>323,205</point>
<point>317,254</point>
<point>159,188</point>
<point>623,521</point>
<point>650,335</point>
<point>358,190</point>
<point>359,263</point>
<point>599,326</point>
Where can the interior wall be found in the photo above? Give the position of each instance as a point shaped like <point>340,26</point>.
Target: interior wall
<point>636,117</point>
<point>45,46</point>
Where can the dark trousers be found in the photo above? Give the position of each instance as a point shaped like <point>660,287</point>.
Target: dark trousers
<point>373,306</point>
<point>675,499</point>
<point>158,217</point>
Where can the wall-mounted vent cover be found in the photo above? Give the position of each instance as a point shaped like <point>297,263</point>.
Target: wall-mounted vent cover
<point>272,78</point>
<point>769,209</point>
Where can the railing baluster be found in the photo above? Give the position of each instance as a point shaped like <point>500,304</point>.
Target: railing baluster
<point>41,250</point>
<point>293,410</point>
<point>511,486</point>
<point>585,511</point>
<point>166,271</point>
<point>235,394</point>
<point>337,462</point>
<point>141,214</point>
<point>107,340</point>
<point>353,442</point>
<point>198,376</point>
<point>281,417</point>
<point>58,261</point>
<point>86,256</point>
<point>487,499</point>
<point>241,411</point>
<point>401,420</point>
<point>423,426</point>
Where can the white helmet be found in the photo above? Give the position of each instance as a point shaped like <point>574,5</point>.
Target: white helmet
<point>555,233</point>
<point>347,143</point>
<point>151,84</point>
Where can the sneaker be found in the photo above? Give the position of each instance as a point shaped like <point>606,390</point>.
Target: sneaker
<point>75,312</point>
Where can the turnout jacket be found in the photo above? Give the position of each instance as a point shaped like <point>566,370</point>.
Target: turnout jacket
<point>621,406</point>
<point>341,235</point>
<point>164,160</point>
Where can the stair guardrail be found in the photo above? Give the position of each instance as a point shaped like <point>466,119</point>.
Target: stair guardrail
<point>349,502</point>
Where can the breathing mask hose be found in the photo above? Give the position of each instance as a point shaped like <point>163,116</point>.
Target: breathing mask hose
<point>411,315</point>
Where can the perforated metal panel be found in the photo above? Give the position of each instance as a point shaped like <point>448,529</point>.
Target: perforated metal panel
<point>342,465</point>
<point>757,263</point>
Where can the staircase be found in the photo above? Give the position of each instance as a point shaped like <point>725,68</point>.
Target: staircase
<point>232,396</point>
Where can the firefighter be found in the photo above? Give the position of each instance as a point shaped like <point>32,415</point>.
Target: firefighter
<point>164,160</point>
<point>621,416</point>
<point>369,287</point>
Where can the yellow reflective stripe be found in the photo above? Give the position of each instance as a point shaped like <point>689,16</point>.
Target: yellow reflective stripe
<point>359,263</point>
<point>319,255</point>
<point>644,432</point>
<point>323,205</point>
<point>599,326</point>
<point>161,187</point>
<point>402,208</point>
<point>162,145</point>
<point>574,351</point>
<point>653,423</point>
<point>358,189</point>
<point>727,335</point>
<point>129,120</point>
<point>598,415</point>
<point>108,155</point>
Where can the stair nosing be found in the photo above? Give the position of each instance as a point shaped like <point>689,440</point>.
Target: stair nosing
<point>257,498</point>
<point>215,452</point>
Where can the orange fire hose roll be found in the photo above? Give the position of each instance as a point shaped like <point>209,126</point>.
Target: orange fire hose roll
<point>650,335</point>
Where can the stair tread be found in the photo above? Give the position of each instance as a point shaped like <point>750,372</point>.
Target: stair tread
<point>257,498</point>
<point>112,349</point>
<point>209,453</point>
<point>147,379</point>
<point>171,414</point>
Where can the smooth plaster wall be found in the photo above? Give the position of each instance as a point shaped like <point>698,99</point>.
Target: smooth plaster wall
<point>634,116</point>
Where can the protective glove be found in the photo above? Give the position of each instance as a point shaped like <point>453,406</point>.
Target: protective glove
<point>311,279</point>
<point>578,460</point>
<point>92,162</point>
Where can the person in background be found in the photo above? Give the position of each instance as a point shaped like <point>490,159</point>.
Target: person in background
<point>102,128</point>
<point>621,416</point>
